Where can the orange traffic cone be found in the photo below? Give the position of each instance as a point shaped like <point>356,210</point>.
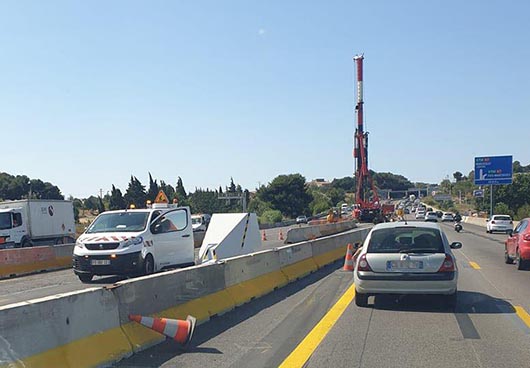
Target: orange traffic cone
<point>348,260</point>
<point>176,329</point>
<point>264,236</point>
<point>280,236</point>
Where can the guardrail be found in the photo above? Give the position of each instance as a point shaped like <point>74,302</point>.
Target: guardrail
<point>91,327</point>
<point>22,261</point>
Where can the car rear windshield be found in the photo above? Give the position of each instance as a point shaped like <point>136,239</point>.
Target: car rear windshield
<point>406,240</point>
<point>502,218</point>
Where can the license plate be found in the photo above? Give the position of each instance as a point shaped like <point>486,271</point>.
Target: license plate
<point>404,265</point>
<point>100,262</point>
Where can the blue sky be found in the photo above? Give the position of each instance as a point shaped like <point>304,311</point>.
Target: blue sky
<point>94,91</point>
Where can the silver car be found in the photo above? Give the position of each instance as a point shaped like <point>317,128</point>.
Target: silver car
<point>401,258</point>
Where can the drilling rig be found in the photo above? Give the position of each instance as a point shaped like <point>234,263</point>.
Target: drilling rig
<point>366,199</point>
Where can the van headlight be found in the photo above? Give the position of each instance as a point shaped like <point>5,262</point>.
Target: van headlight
<point>137,240</point>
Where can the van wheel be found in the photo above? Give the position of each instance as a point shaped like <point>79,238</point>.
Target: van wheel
<point>361,300</point>
<point>149,265</point>
<point>85,277</point>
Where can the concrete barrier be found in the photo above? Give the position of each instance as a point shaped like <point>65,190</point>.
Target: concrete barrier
<point>251,276</point>
<point>79,329</point>
<point>300,234</point>
<point>91,327</point>
<point>21,261</point>
<point>329,249</point>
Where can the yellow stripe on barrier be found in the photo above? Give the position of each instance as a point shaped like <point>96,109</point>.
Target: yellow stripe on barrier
<point>299,269</point>
<point>90,351</point>
<point>329,257</point>
<point>8,270</point>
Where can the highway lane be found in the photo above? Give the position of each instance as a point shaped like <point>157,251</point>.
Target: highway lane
<point>485,330</point>
<point>43,284</point>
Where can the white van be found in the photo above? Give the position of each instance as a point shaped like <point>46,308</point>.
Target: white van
<point>133,242</point>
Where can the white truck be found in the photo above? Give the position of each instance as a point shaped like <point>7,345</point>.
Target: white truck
<point>200,222</point>
<point>135,242</point>
<point>29,222</point>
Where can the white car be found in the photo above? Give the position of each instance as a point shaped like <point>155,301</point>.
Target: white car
<point>420,215</point>
<point>502,223</point>
<point>447,216</point>
<point>431,216</point>
<point>400,258</point>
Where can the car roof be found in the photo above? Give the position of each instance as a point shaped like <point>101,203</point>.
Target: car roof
<point>402,224</point>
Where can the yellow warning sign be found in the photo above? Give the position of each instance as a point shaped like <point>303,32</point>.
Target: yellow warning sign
<point>161,197</point>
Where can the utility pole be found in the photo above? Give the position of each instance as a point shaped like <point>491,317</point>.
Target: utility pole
<point>491,200</point>
<point>101,193</point>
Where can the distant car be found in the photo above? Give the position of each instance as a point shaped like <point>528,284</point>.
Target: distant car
<point>447,216</point>
<point>501,223</point>
<point>439,214</point>
<point>301,220</point>
<point>517,246</point>
<point>429,209</point>
<point>407,211</point>
<point>431,216</point>
<point>406,259</point>
<point>420,215</point>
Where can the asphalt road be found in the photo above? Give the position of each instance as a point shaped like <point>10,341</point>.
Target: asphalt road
<point>43,284</point>
<point>413,331</point>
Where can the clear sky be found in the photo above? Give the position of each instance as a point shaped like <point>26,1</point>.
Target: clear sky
<point>94,91</point>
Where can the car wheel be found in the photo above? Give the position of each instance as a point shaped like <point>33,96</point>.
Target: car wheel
<point>451,300</point>
<point>85,277</point>
<point>149,265</point>
<point>521,263</point>
<point>507,258</point>
<point>361,299</point>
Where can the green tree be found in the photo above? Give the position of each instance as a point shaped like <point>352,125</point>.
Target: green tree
<point>232,187</point>
<point>153,189</point>
<point>116,202</point>
<point>523,212</point>
<point>347,184</point>
<point>271,217</point>
<point>101,206</point>
<point>90,203</point>
<point>502,209</point>
<point>180,192</point>
<point>458,176</point>
<point>258,206</point>
<point>135,193</point>
<point>320,203</point>
<point>386,180</point>
<point>288,194</point>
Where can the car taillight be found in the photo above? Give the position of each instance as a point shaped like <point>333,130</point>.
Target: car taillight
<point>492,221</point>
<point>448,264</point>
<point>526,237</point>
<point>363,264</point>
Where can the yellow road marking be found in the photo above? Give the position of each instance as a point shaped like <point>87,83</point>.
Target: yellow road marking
<point>303,351</point>
<point>474,265</point>
<point>521,313</point>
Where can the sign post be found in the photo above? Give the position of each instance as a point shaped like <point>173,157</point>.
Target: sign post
<point>493,170</point>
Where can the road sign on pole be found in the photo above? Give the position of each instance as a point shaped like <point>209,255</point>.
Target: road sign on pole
<point>493,170</point>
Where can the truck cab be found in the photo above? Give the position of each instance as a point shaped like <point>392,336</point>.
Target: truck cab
<point>135,242</point>
<point>200,222</point>
<point>13,229</point>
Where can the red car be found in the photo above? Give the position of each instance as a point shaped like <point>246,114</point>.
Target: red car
<point>517,246</point>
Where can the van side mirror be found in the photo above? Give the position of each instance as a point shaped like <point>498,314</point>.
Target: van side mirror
<point>155,228</point>
<point>455,245</point>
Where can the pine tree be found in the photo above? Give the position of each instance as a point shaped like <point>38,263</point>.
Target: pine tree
<point>153,189</point>
<point>116,199</point>
<point>135,193</point>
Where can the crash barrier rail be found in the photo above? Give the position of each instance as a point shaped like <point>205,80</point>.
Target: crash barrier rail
<point>21,261</point>
<point>300,234</point>
<point>91,327</point>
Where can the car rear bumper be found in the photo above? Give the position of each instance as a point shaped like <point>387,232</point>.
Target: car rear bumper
<point>501,227</point>
<point>438,283</point>
<point>124,264</point>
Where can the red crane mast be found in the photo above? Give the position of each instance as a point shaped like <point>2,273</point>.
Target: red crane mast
<point>366,197</point>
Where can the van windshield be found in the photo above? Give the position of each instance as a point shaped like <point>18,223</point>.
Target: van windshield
<point>5,221</point>
<point>119,222</point>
